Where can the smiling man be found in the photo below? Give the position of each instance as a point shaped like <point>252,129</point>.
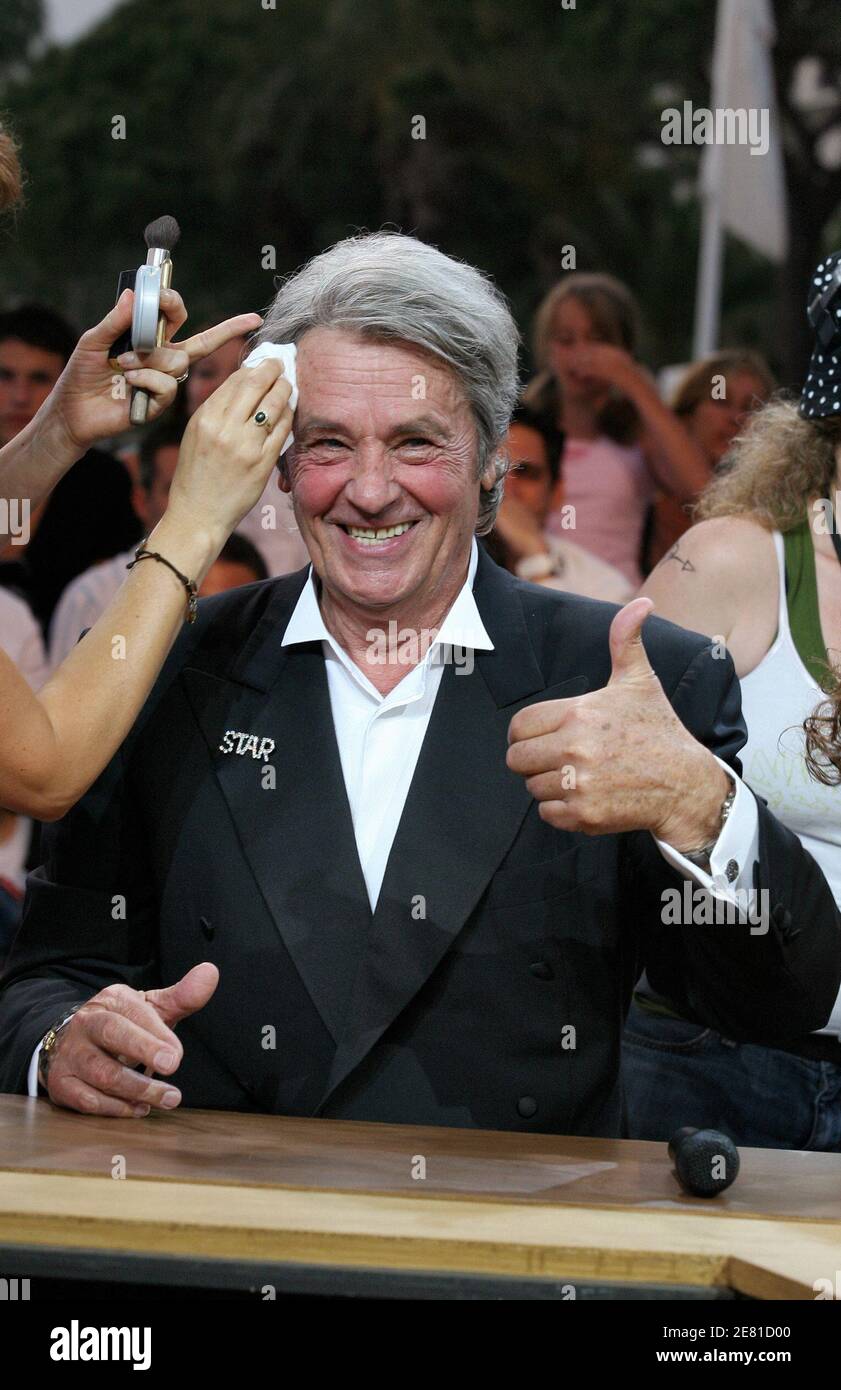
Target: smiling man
<point>406,889</point>
<point>379,489</point>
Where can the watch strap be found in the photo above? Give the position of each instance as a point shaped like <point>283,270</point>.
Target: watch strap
<point>699,856</point>
<point>50,1039</point>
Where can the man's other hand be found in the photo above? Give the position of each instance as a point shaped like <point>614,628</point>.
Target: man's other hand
<point>91,1069</point>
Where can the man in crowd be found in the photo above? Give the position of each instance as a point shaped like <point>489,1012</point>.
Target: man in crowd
<point>88,516</point>
<point>392,837</point>
<point>533,489</point>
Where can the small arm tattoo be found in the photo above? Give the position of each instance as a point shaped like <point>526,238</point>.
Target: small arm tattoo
<point>674,554</point>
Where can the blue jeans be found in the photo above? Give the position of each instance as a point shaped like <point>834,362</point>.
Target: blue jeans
<point>678,1073</point>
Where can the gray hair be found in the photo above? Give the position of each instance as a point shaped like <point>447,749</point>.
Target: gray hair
<point>389,287</point>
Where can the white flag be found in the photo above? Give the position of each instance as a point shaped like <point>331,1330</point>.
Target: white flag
<point>749,188</point>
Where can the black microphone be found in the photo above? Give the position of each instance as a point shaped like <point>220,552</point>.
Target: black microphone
<point>706,1162</point>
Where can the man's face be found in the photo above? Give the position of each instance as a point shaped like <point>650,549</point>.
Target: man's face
<point>27,376</point>
<point>530,480</point>
<point>384,437</point>
<point>206,375</point>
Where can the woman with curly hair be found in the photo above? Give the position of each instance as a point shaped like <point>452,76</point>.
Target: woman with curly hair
<point>823,741</point>
<point>760,574</point>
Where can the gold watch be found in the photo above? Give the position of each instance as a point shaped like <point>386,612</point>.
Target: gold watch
<point>50,1040</point>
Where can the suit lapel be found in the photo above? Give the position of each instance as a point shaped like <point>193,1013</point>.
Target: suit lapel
<point>462,813</point>
<point>463,810</point>
<point>298,835</point>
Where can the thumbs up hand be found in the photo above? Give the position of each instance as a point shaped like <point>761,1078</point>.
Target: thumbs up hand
<point>628,659</point>
<point>619,758</point>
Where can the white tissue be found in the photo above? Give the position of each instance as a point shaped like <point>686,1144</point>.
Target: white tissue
<point>287,352</point>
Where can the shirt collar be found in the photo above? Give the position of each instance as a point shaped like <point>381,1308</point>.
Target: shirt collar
<point>462,626</point>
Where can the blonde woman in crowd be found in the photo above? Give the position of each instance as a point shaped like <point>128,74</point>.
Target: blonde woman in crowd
<point>761,573</point>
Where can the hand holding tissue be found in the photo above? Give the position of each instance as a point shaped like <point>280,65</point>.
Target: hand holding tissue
<point>287,352</point>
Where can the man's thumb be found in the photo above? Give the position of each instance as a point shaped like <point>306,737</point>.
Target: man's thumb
<point>627,654</point>
<point>187,996</point>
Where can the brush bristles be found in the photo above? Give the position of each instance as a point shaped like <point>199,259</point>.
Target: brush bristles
<point>162,234</point>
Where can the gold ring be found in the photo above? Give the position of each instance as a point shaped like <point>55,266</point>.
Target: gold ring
<point>262,419</point>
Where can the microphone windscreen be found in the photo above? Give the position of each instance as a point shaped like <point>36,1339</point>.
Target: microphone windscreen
<point>706,1162</point>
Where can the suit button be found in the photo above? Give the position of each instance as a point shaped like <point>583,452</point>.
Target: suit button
<point>784,922</point>
<point>527,1106</point>
<point>542,970</point>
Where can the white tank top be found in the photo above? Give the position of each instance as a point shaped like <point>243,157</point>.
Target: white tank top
<point>777,695</point>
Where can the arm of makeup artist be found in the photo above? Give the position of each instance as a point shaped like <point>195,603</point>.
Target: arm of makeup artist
<point>55,744</point>
<point>81,409</point>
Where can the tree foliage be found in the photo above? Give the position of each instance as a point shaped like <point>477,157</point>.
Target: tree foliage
<point>21,25</point>
<point>290,127</point>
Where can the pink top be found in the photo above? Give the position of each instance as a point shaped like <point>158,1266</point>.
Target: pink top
<point>611,490</point>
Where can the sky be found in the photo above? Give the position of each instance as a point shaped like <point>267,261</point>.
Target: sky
<point>68,19</point>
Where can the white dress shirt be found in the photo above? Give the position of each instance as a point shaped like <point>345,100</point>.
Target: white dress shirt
<point>380,737</point>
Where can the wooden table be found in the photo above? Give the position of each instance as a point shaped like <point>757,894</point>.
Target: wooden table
<point>222,1200</point>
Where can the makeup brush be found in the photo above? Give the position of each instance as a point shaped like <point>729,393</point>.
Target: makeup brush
<point>160,237</point>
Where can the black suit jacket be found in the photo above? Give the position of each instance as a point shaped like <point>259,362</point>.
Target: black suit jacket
<point>490,986</point>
